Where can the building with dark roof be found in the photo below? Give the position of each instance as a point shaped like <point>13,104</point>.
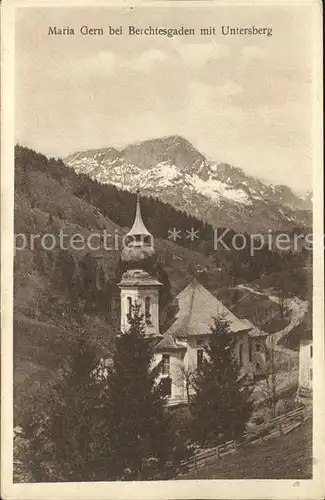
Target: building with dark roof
<point>180,351</point>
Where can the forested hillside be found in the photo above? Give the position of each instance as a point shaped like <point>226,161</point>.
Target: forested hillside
<point>56,289</point>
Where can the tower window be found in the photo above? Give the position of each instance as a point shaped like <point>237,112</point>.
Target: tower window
<point>165,364</point>
<point>311,351</point>
<point>148,240</point>
<point>199,359</point>
<point>240,354</point>
<point>147,312</point>
<point>311,374</point>
<point>129,305</point>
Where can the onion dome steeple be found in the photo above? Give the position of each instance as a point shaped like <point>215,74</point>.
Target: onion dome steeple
<point>138,228</point>
<point>139,242</point>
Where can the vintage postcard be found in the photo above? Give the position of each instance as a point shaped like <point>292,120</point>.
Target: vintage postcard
<point>162,251</point>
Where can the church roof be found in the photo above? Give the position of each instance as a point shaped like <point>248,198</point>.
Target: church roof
<point>138,227</point>
<point>197,308</point>
<point>168,342</point>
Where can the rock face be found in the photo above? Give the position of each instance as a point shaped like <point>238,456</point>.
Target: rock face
<point>171,169</point>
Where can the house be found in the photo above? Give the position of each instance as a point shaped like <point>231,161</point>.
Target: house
<point>306,365</point>
<point>180,351</point>
<point>300,339</point>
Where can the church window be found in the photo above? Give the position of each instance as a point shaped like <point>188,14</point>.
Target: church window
<point>250,350</point>
<point>240,354</point>
<point>165,364</point>
<point>129,305</point>
<point>311,351</point>
<point>148,310</point>
<point>147,240</point>
<point>311,374</point>
<point>166,386</point>
<point>199,358</point>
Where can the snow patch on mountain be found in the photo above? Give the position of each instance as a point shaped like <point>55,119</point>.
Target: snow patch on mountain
<point>216,189</point>
<point>171,169</point>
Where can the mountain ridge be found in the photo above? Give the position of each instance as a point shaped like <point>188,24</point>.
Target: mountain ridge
<point>171,169</point>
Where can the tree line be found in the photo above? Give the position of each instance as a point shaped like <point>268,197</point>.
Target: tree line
<point>119,205</point>
<point>107,419</point>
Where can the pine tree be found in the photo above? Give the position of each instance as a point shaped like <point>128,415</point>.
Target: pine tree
<point>67,441</point>
<point>140,428</point>
<point>220,409</point>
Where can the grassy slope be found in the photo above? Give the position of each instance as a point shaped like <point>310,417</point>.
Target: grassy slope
<point>287,457</point>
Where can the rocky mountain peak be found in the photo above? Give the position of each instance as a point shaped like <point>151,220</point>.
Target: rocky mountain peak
<point>172,169</point>
<point>174,149</point>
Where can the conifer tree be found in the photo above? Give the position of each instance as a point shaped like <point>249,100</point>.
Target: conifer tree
<point>220,409</point>
<point>66,435</point>
<point>140,428</point>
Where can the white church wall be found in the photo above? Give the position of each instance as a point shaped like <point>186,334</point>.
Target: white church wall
<point>190,358</point>
<point>242,353</point>
<point>305,365</point>
<point>177,375</point>
<point>156,358</point>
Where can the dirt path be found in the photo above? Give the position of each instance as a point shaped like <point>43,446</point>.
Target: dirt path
<point>296,306</point>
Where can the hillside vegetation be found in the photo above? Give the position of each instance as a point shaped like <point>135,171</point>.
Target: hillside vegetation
<point>56,288</point>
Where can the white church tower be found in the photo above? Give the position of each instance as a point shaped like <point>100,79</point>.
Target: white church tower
<point>137,285</point>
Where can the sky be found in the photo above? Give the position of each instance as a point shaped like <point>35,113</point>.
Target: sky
<point>240,99</point>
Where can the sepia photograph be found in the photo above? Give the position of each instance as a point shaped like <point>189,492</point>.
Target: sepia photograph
<point>167,296</point>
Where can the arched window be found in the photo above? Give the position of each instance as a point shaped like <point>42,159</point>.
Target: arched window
<point>250,350</point>
<point>166,386</point>
<point>240,354</point>
<point>311,351</point>
<point>199,359</point>
<point>147,310</point>
<point>148,240</point>
<point>129,305</point>
<point>165,364</point>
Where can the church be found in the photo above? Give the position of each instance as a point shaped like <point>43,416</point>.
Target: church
<point>180,349</point>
